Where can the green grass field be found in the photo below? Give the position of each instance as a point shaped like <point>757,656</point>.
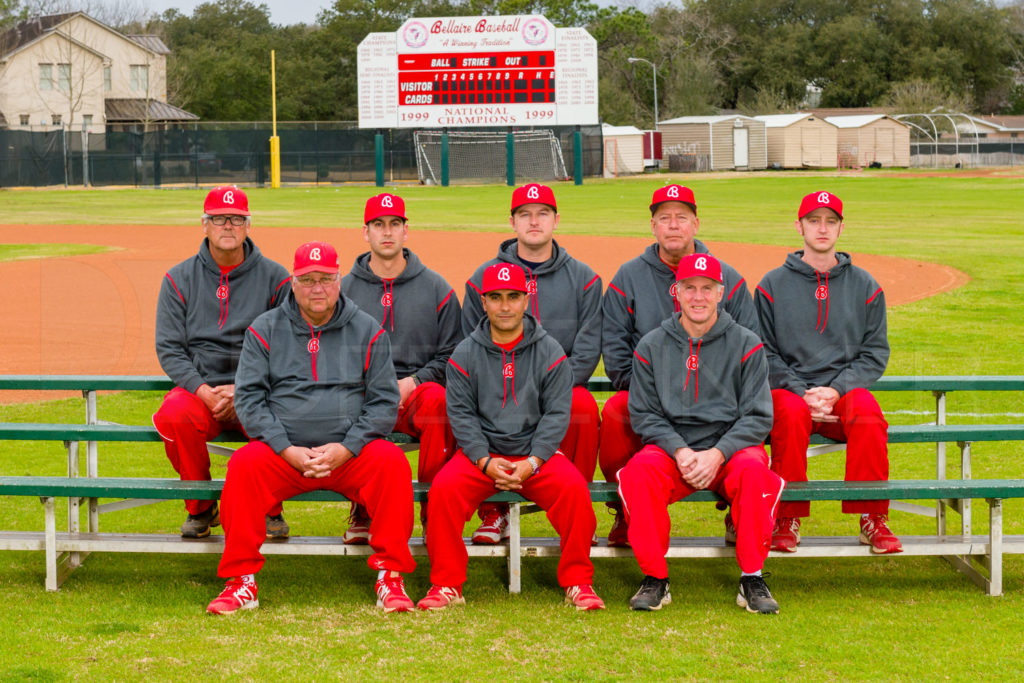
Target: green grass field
<point>131,617</point>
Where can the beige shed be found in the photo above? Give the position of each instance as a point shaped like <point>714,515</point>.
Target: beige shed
<point>715,143</point>
<point>623,150</point>
<point>800,140</point>
<point>870,138</point>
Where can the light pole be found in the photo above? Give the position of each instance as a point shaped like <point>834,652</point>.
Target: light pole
<point>654,77</point>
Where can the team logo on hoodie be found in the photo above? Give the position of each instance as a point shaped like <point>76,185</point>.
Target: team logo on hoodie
<point>222,292</point>
<point>385,300</point>
<point>509,371</point>
<point>531,287</point>
<point>313,345</point>
<point>821,293</point>
<point>672,290</point>
<point>691,363</point>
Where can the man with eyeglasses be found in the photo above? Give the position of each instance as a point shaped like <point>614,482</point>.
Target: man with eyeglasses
<point>639,297</point>
<point>316,392</point>
<point>420,314</point>
<point>205,305</point>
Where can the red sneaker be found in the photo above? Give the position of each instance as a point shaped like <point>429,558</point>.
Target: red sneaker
<point>583,598</point>
<point>786,534</point>
<point>440,597</point>
<point>493,529</point>
<point>239,593</point>
<point>618,535</point>
<point>875,532</point>
<point>391,594</point>
<point>358,532</point>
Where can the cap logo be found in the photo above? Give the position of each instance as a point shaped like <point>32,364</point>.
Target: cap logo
<point>824,198</point>
<point>691,363</point>
<point>504,275</point>
<point>701,263</point>
<point>533,192</point>
<point>821,293</point>
<point>314,253</point>
<point>509,371</point>
<point>229,197</point>
<point>673,191</point>
<point>313,345</point>
<point>385,300</point>
<point>222,292</point>
<point>385,201</point>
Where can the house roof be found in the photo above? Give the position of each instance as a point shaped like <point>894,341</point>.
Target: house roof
<point>856,121</point>
<point>825,112</point>
<point>27,31</point>
<point>608,129</point>
<point>783,120</point>
<point>125,110</point>
<point>706,119</point>
<point>151,43</point>
<point>1004,123</point>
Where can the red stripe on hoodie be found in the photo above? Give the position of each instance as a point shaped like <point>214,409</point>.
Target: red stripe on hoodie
<point>641,358</point>
<point>458,367</point>
<point>262,340</point>
<point>277,290</point>
<point>766,294</point>
<point>168,275</point>
<point>470,283</point>
<point>750,353</point>
<point>592,281</point>
<point>877,292</point>
<point>441,305</point>
<point>734,289</point>
<point>369,348</point>
<point>552,366</point>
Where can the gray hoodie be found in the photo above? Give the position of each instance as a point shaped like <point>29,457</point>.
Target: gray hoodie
<point>724,402</point>
<point>304,386</point>
<point>422,320</point>
<point>641,295</point>
<point>822,329</point>
<point>567,302</point>
<point>198,332</point>
<point>509,402</point>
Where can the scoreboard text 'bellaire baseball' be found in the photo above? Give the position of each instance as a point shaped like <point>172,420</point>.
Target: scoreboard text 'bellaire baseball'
<point>478,71</point>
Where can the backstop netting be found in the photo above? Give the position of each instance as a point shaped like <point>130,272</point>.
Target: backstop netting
<point>481,156</point>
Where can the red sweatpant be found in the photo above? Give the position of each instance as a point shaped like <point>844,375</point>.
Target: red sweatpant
<point>557,487</point>
<point>861,425</point>
<point>651,481</point>
<point>186,424</point>
<point>618,440</point>
<point>423,416</point>
<point>258,478</point>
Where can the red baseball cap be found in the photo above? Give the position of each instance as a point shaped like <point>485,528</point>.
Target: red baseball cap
<point>820,200</point>
<point>673,193</point>
<point>503,276</point>
<point>383,205</point>
<point>226,200</point>
<point>533,193</point>
<point>700,265</point>
<point>315,256</point>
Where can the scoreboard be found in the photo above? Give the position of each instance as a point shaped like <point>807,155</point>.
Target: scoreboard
<point>477,71</point>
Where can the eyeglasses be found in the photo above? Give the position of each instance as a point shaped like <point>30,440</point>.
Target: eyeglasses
<point>311,282</point>
<point>235,220</point>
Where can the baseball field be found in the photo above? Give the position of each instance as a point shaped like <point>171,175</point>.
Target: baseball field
<point>81,270</point>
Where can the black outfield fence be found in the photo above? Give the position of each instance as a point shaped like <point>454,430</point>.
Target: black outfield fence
<point>218,153</point>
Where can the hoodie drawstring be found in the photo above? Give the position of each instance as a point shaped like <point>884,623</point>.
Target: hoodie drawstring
<point>821,294</point>
<point>314,348</point>
<point>508,372</point>
<point>692,363</point>
<point>222,294</point>
<point>387,301</point>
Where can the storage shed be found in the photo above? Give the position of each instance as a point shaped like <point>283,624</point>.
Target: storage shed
<point>872,137</point>
<point>800,140</point>
<point>716,143</point>
<point>623,150</point>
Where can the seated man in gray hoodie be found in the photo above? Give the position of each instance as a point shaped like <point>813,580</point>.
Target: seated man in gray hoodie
<point>420,314</point>
<point>316,393</point>
<point>699,400</point>
<point>509,397</point>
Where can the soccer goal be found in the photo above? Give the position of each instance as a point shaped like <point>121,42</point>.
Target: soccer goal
<point>476,156</point>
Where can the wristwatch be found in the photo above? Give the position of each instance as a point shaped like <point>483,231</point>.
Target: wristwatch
<point>535,463</point>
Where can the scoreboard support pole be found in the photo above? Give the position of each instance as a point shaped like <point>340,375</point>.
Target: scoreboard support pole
<point>510,158</point>
<point>444,158</point>
<point>378,156</point>
<point>577,156</point>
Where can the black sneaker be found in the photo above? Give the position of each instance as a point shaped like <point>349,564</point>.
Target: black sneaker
<point>198,526</point>
<point>652,594</point>
<point>277,528</point>
<point>755,596</point>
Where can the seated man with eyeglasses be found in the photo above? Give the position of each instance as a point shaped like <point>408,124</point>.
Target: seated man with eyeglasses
<point>205,305</point>
<point>316,391</point>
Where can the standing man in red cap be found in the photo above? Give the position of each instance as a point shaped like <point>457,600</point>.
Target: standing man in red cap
<point>824,328</point>
<point>699,400</point>
<point>639,297</point>
<point>420,314</point>
<point>509,391</point>
<point>565,297</point>
<point>316,391</point>
<point>206,302</point>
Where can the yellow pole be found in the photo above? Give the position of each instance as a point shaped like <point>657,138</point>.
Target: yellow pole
<point>275,142</point>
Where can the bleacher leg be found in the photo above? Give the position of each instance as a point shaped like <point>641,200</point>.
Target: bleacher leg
<point>51,543</point>
<point>940,462</point>
<point>515,558</point>
<point>965,473</point>
<point>995,530</point>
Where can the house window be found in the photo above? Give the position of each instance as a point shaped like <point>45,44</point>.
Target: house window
<point>87,120</point>
<point>64,78</point>
<point>24,119</point>
<point>138,77</point>
<point>106,79</point>
<point>46,76</point>
<point>56,119</point>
